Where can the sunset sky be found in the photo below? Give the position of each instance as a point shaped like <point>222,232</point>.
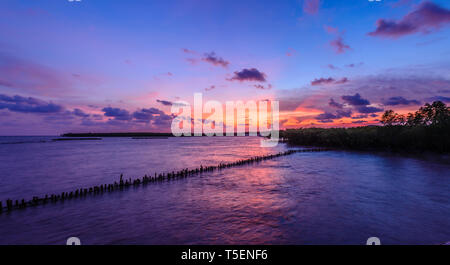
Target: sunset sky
<point>117,65</point>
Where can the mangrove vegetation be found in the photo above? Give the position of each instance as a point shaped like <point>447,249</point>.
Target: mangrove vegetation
<point>427,129</point>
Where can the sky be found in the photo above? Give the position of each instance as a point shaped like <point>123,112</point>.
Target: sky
<point>117,65</point>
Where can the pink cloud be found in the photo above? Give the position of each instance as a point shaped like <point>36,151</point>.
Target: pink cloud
<point>330,29</point>
<point>192,61</point>
<point>188,51</point>
<point>21,74</point>
<point>210,88</point>
<point>35,78</point>
<point>339,45</point>
<point>311,6</point>
<point>291,52</point>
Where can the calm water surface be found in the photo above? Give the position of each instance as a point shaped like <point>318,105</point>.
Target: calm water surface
<point>334,197</point>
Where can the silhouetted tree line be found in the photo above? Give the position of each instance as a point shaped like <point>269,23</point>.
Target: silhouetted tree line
<point>428,129</point>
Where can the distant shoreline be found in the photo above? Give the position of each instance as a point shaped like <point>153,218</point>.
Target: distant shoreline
<point>76,139</point>
<point>145,134</point>
<point>130,134</point>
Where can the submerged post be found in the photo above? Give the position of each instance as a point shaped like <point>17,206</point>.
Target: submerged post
<point>158,177</point>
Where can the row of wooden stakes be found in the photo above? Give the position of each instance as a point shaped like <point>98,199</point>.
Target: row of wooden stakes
<point>95,190</point>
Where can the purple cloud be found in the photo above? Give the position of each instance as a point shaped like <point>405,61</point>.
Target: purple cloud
<point>426,18</point>
<point>400,3</point>
<point>328,81</point>
<point>158,117</point>
<point>28,105</point>
<point>439,98</point>
<point>322,81</point>
<point>335,104</point>
<point>213,59</point>
<point>344,113</point>
<point>355,100</point>
<point>332,67</point>
<point>342,80</point>
<point>258,86</point>
<point>367,109</point>
<point>251,74</point>
<point>328,117</point>
<point>117,113</point>
<point>80,113</point>
<point>393,101</point>
<point>358,122</point>
<point>352,65</point>
<point>361,116</point>
<point>146,115</point>
<point>164,102</point>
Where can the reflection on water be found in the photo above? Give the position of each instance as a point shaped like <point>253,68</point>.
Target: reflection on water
<point>332,197</point>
